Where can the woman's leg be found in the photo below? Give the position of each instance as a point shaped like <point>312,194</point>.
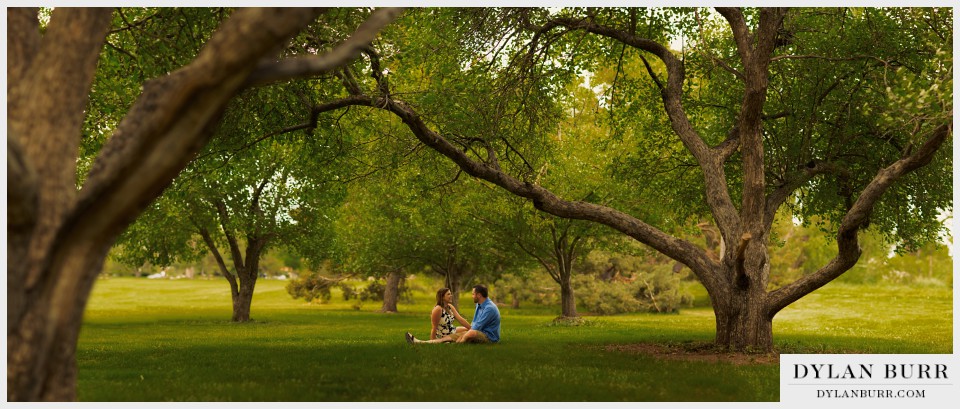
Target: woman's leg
<point>442,339</point>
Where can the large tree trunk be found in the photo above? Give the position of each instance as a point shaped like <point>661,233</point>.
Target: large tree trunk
<point>743,323</point>
<point>392,292</point>
<point>744,329</point>
<point>743,318</point>
<point>51,266</point>
<point>243,298</point>
<point>41,347</point>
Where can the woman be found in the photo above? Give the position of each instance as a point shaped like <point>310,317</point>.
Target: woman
<point>441,321</point>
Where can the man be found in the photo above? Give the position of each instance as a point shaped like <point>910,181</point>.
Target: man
<point>486,319</point>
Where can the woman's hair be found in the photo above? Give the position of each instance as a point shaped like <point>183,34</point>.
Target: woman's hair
<point>440,293</point>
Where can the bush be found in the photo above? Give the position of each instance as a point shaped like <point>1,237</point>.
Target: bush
<point>535,288</point>
<point>311,287</point>
<point>660,290</point>
<point>655,290</point>
<point>605,297</point>
<point>348,291</point>
<point>375,290</point>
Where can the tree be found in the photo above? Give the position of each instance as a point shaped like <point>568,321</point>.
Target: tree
<point>404,222</point>
<point>558,244</point>
<point>786,115</point>
<point>567,243</point>
<point>59,236</point>
<point>247,197</point>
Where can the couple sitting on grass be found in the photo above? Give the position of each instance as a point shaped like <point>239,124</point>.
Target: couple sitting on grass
<point>484,329</point>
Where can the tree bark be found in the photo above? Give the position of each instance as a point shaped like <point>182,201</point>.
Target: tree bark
<point>392,292</point>
<point>248,271</point>
<point>743,324</point>
<point>568,303</point>
<point>243,298</point>
<point>452,281</point>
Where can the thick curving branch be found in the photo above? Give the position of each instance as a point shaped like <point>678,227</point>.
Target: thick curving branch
<point>235,254</point>
<point>847,244</point>
<point>212,246</point>
<point>741,34</point>
<point>779,196</point>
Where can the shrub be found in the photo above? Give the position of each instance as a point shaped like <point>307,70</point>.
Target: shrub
<point>348,291</point>
<point>657,289</point>
<point>535,288</point>
<point>312,286</point>
<point>374,291</point>
<point>605,297</point>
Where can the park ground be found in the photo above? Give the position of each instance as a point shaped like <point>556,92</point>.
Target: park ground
<point>171,340</point>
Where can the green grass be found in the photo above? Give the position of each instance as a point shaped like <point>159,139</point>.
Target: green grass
<point>159,340</point>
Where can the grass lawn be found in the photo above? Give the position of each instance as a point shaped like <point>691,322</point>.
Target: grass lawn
<point>160,340</point>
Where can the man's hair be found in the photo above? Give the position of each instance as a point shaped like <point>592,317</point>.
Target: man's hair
<point>480,289</point>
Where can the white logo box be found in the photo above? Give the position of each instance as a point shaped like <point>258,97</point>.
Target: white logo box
<point>854,380</point>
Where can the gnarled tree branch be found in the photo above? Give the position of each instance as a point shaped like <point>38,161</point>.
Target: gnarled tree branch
<point>238,261</point>
<point>741,34</point>
<point>778,196</point>
<point>208,240</point>
<point>755,58</point>
<point>847,244</point>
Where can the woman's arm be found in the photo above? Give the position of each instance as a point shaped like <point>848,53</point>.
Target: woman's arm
<point>434,322</point>
<point>456,315</point>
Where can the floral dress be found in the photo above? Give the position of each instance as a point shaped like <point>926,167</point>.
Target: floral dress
<point>445,327</point>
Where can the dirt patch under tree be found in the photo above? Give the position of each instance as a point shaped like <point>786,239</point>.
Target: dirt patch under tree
<point>695,353</point>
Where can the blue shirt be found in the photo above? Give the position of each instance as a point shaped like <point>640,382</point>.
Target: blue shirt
<point>486,319</point>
